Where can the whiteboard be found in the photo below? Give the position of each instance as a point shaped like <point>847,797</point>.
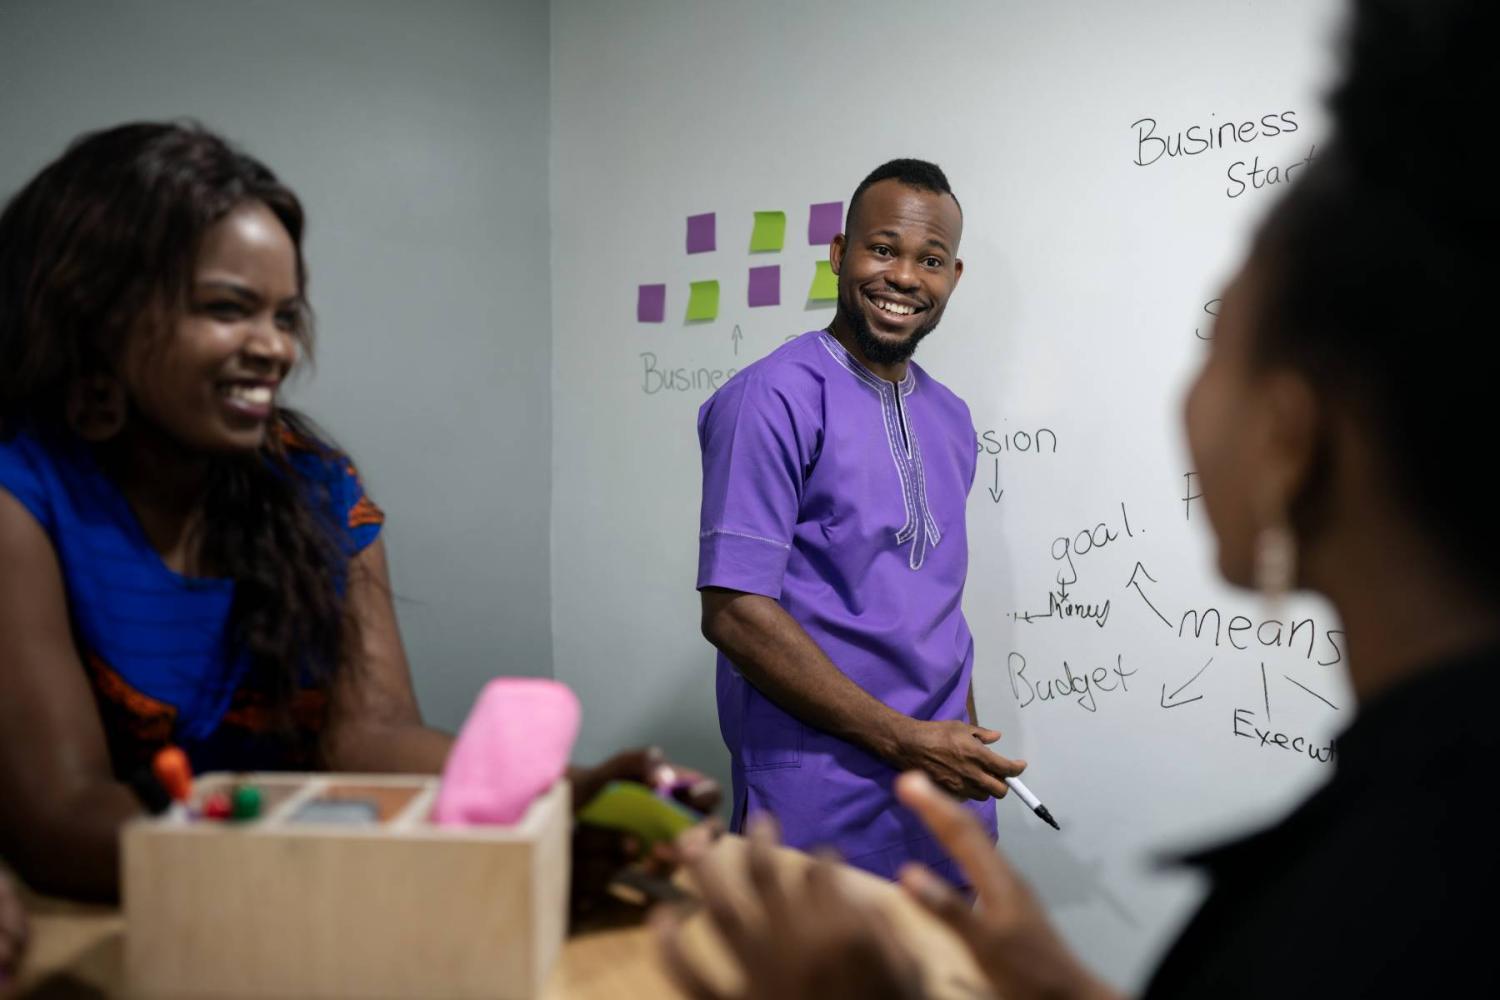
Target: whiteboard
<point>1093,258</point>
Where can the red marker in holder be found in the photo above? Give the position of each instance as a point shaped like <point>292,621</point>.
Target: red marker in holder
<point>217,806</point>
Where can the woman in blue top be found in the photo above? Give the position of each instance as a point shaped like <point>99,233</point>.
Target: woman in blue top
<point>182,559</point>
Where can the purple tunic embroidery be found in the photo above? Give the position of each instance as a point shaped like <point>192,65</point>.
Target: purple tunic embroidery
<point>841,496</point>
<point>920,529</point>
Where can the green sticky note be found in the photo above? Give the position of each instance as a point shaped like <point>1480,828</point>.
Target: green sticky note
<point>703,302</point>
<point>635,809</point>
<point>769,233</point>
<point>825,284</point>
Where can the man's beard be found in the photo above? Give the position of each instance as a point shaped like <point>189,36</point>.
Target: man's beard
<point>884,352</point>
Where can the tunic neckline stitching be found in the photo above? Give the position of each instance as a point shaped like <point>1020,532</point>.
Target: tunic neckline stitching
<point>922,529</point>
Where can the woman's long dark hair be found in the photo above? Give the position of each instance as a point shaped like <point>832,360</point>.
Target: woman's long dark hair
<point>1380,264</point>
<point>106,235</point>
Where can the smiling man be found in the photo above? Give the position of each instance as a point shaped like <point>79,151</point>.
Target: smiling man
<point>833,550</point>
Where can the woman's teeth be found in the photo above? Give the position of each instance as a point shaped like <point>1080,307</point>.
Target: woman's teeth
<point>255,395</point>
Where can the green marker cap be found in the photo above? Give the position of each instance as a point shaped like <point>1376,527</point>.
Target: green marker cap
<point>245,802</point>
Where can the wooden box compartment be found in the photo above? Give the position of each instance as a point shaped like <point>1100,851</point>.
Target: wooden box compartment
<point>273,907</point>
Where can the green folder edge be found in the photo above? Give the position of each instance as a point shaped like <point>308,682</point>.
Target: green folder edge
<point>636,809</point>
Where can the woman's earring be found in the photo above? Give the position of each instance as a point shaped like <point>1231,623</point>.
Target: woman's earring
<point>1275,562</point>
<point>96,407</point>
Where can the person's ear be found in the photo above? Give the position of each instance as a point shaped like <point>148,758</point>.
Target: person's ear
<point>836,252</point>
<point>958,270</point>
<point>1294,431</point>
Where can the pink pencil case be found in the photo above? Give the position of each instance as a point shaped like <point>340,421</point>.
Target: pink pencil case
<point>515,744</point>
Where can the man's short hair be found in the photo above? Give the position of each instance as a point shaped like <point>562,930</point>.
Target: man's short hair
<point>913,173</point>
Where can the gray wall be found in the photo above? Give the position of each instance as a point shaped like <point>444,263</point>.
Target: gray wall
<point>416,134</point>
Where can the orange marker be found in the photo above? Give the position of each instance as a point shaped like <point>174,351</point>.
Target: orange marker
<point>171,767</point>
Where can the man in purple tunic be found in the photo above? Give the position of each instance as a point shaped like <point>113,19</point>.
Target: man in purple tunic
<point>833,550</point>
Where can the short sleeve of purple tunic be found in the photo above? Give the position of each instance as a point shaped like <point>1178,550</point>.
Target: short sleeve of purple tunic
<point>842,497</point>
<point>756,445</point>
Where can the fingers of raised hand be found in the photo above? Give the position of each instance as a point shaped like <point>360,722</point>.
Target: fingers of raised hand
<point>723,904</point>
<point>765,876</point>
<point>938,898</point>
<point>958,830</point>
<point>668,922</point>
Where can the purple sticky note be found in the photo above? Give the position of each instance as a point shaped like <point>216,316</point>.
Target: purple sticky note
<point>700,233</point>
<point>765,285</point>
<point>825,220</point>
<point>651,304</point>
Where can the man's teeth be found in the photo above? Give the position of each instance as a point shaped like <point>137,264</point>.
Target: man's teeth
<point>255,395</point>
<point>895,308</point>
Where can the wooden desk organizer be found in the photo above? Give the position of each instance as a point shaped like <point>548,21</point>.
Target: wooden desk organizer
<point>401,908</point>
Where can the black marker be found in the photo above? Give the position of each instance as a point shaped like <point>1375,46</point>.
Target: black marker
<point>1032,801</point>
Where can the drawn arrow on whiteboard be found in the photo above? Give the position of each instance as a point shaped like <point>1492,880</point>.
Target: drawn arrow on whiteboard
<point>1174,694</point>
<point>995,492</point>
<point>1141,569</point>
<point>736,336</point>
<point>1314,694</point>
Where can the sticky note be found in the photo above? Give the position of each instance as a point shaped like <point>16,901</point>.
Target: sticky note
<point>769,232</point>
<point>765,285</point>
<point>703,302</point>
<point>700,233</point>
<point>825,284</point>
<point>651,304</point>
<point>825,220</point>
